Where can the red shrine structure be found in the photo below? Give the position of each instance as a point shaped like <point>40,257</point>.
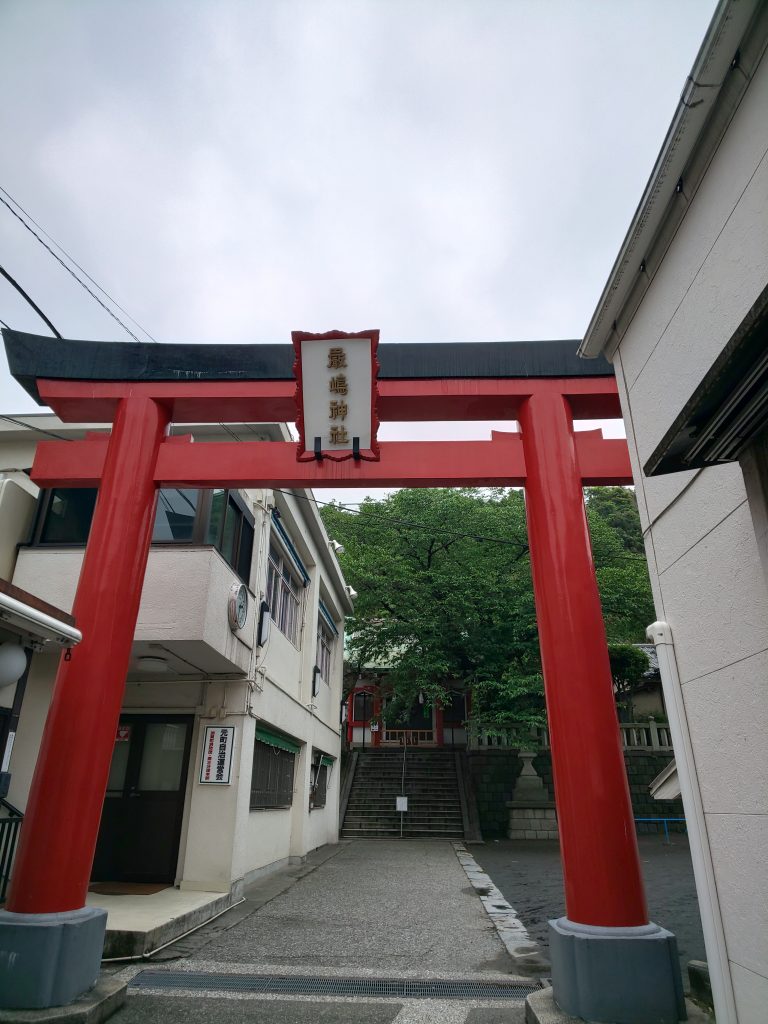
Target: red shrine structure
<point>607,958</point>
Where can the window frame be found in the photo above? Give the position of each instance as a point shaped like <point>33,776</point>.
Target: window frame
<point>283,792</point>
<point>200,525</point>
<point>325,650</point>
<point>285,564</point>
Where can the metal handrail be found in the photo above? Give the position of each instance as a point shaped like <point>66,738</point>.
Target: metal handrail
<point>666,821</point>
<point>10,827</point>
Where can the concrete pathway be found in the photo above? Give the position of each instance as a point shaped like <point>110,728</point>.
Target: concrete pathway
<point>369,910</point>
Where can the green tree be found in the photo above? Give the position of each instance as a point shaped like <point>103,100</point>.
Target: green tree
<point>617,508</point>
<point>628,666</point>
<point>446,601</point>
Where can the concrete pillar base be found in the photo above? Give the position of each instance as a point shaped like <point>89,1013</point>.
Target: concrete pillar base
<point>616,975</point>
<point>49,959</point>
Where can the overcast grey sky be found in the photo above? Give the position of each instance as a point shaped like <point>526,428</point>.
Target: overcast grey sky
<point>443,170</point>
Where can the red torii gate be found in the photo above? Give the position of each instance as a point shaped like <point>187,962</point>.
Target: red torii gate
<point>603,884</point>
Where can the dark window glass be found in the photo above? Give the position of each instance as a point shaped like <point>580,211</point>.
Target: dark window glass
<point>175,516</point>
<point>229,537</point>
<point>218,506</point>
<point>455,709</point>
<point>68,516</point>
<point>246,550</point>
<point>363,707</point>
<point>272,776</point>
<point>320,775</point>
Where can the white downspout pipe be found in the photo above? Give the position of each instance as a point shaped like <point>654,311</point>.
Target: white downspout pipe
<point>660,634</point>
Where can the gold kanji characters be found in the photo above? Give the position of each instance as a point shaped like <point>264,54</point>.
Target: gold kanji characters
<point>338,384</point>
<point>337,358</point>
<point>339,435</point>
<point>338,411</point>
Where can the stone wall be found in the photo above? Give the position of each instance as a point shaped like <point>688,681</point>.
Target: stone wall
<point>494,773</point>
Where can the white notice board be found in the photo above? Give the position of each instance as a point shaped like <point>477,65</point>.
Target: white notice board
<point>216,762</point>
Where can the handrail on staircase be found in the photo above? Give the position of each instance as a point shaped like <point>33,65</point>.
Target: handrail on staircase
<point>10,826</point>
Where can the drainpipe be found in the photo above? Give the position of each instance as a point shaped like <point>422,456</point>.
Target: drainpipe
<point>660,634</point>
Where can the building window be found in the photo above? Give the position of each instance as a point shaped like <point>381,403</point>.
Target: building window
<point>284,594</point>
<point>175,516</point>
<point>68,515</point>
<point>321,765</point>
<point>230,530</point>
<point>274,763</point>
<point>326,636</point>
<point>183,516</point>
<point>324,651</point>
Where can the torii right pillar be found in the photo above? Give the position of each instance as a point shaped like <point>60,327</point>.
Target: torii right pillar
<point>609,963</point>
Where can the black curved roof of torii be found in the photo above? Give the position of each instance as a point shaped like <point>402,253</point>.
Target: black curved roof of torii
<point>33,356</point>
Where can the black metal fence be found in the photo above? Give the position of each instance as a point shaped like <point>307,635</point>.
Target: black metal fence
<point>10,826</point>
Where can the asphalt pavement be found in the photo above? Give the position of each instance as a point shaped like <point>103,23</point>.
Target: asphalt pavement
<point>366,913</point>
<point>369,911</point>
<point>530,877</point>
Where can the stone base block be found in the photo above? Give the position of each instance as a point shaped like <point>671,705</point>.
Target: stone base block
<point>532,822</point>
<point>49,959</point>
<point>541,1008</point>
<point>616,975</point>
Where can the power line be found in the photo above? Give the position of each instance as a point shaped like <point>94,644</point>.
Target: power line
<point>30,426</point>
<point>385,520</point>
<point>70,271</point>
<point>73,260</point>
<point>410,524</point>
<point>27,298</point>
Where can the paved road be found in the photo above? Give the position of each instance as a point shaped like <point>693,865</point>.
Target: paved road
<point>374,909</point>
<point>392,910</point>
<point>529,875</point>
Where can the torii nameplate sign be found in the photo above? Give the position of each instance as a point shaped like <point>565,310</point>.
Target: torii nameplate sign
<point>336,395</point>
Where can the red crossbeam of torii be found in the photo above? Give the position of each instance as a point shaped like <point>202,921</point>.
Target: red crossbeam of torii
<point>499,461</point>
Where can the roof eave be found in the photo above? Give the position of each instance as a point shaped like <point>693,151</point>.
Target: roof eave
<point>700,96</point>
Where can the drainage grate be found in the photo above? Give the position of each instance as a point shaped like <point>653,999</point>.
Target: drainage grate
<point>296,985</point>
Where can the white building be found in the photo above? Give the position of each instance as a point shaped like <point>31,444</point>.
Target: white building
<point>240,627</point>
<point>684,318</point>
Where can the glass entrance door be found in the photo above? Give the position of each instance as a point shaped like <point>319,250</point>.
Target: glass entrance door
<point>141,819</point>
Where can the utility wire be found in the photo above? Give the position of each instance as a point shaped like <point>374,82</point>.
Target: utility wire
<point>72,259</point>
<point>26,298</point>
<point>386,521</point>
<point>70,271</point>
<point>38,430</point>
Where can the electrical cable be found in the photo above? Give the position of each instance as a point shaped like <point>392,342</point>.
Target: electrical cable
<point>39,430</point>
<point>26,297</point>
<point>71,259</point>
<point>70,271</point>
<point>403,522</point>
<point>384,520</point>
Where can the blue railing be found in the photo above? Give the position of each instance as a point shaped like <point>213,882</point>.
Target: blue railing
<point>665,822</point>
<point>10,826</point>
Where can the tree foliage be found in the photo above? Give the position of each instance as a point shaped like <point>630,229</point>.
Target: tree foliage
<point>445,596</point>
<point>628,666</point>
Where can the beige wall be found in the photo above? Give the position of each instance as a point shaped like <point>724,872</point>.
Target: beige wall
<point>184,610</point>
<point>700,539</point>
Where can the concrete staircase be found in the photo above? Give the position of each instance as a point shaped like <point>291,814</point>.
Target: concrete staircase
<point>431,785</point>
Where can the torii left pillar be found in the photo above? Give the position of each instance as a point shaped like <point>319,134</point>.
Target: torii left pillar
<point>50,942</point>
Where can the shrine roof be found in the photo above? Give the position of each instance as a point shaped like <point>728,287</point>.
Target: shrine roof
<point>32,357</point>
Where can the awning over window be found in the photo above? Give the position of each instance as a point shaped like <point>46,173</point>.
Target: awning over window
<point>328,618</point>
<point>289,546</point>
<point>276,739</point>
